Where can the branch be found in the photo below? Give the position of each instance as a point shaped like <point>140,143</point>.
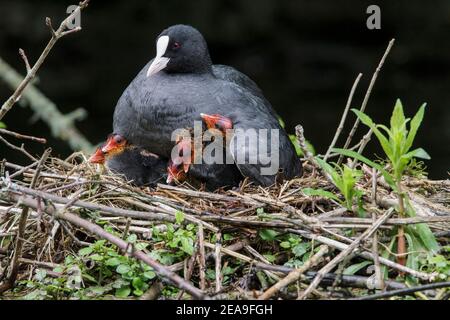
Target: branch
<point>341,256</point>
<point>366,98</point>
<point>31,72</point>
<point>295,274</point>
<point>344,117</point>
<point>22,136</point>
<point>402,292</point>
<point>92,228</point>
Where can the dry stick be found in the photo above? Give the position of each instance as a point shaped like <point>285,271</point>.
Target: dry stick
<point>366,99</point>
<point>92,206</point>
<point>368,255</point>
<point>344,117</point>
<point>31,73</point>
<point>21,149</point>
<point>21,232</point>
<point>22,136</point>
<point>217,254</point>
<point>300,134</point>
<point>294,275</point>
<point>379,283</point>
<point>100,232</point>
<point>341,256</point>
<point>402,292</point>
<point>355,281</point>
<point>202,257</point>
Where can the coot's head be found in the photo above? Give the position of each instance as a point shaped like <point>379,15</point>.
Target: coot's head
<point>115,144</point>
<point>181,49</point>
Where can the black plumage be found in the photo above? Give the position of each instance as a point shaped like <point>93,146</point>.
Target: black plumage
<point>152,107</point>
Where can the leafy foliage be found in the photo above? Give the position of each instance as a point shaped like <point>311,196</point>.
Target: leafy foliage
<point>345,180</point>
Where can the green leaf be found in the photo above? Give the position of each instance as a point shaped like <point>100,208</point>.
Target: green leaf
<point>398,116</point>
<point>187,245</point>
<point>179,217</point>
<point>137,283</point>
<point>149,274</point>
<point>40,275</point>
<point>85,251</point>
<point>112,262</point>
<point>361,158</point>
<point>320,193</point>
<point>300,249</point>
<point>354,268</point>
<point>417,153</point>
<point>2,125</point>
<point>427,237</point>
<point>383,141</point>
<point>285,244</point>
<point>96,257</point>
<point>132,238</point>
<point>412,260</point>
<point>415,124</point>
<point>281,122</point>
<point>123,292</point>
<point>387,254</point>
<point>123,268</point>
<point>268,234</point>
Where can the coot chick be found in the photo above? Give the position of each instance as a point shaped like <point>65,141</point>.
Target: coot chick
<point>175,88</point>
<point>137,165</point>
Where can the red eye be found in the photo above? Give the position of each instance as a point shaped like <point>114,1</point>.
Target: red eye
<point>118,139</point>
<point>176,45</point>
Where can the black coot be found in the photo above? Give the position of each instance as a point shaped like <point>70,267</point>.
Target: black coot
<point>179,84</point>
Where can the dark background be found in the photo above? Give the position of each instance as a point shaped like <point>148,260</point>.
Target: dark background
<point>305,55</point>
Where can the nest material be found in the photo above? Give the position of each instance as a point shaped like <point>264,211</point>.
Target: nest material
<point>73,186</point>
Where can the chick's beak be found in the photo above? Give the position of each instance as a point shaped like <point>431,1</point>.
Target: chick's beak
<point>216,120</point>
<point>97,157</point>
<point>111,146</point>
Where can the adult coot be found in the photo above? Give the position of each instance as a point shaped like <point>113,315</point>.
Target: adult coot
<point>180,83</point>
<point>137,165</point>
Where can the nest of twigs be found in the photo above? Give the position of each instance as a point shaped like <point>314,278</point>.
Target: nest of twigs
<point>52,208</point>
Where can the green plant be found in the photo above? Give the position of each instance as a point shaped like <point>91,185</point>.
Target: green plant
<point>345,180</point>
<point>396,143</point>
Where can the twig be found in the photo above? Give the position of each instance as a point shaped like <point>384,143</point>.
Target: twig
<point>31,73</point>
<point>100,232</point>
<point>21,232</point>
<point>201,257</point>
<point>341,256</point>
<point>402,292</point>
<point>344,116</point>
<point>295,275</point>
<point>21,149</point>
<point>25,60</point>
<point>366,98</point>
<point>22,136</point>
<point>300,134</point>
<point>379,283</point>
<point>218,262</point>
<point>365,254</point>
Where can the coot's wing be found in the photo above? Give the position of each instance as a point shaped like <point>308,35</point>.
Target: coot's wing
<point>260,147</point>
<point>234,76</point>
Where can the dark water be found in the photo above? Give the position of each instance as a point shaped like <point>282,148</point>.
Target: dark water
<point>305,55</point>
